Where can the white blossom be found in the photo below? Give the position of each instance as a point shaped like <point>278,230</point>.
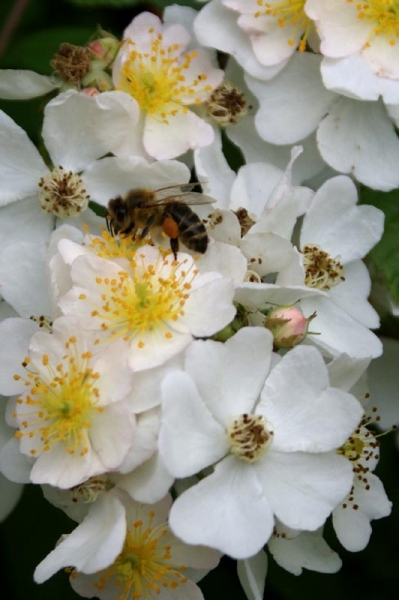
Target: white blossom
<point>127,548</point>
<point>76,133</point>
<point>17,84</point>
<point>369,28</point>
<point>72,412</point>
<point>150,304</point>
<point>217,26</point>
<point>154,67</point>
<point>296,550</point>
<point>353,136</point>
<point>275,457</point>
<point>367,499</point>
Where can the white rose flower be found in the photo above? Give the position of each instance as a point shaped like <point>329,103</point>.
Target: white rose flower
<point>10,491</point>
<point>335,235</point>
<point>367,499</point>
<point>166,80</point>
<point>274,458</point>
<point>76,132</point>
<point>217,26</point>
<point>73,415</point>
<point>276,29</point>
<point>151,304</point>
<point>369,28</point>
<point>353,136</point>
<point>298,550</point>
<point>127,549</point>
<point>19,84</point>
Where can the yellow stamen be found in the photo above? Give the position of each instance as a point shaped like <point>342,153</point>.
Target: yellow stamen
<point>145,565</point>
<point>383,15</point>
<point>146,299</point>
<point>157,79</point>
<point>289,13</point>
<point>59,405</point>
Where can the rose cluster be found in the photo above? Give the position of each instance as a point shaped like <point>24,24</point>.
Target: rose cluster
<point>186,377</point>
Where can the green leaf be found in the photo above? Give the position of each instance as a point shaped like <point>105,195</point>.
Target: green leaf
<point>110,3</point>
<point>162,4</point>
<point>35,51</point>
<point>385,255</point>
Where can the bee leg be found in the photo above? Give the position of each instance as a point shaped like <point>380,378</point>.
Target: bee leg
<point>174,244</point>
<point>148,226</point>
<point>128,229</point>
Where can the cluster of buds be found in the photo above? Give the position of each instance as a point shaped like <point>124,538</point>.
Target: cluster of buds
<point>87,68</point>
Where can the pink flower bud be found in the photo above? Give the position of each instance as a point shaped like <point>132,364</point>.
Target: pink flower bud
<point>90,91</point>
<point>288,326</point>
<point>104,49</point>
<point>97,49</point>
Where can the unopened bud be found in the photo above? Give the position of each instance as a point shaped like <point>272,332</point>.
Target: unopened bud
<point>90,91</point>
<point>104,49</point>
<point>288,326</point>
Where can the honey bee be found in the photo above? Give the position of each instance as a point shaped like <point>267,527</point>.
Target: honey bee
<point>139,210</point>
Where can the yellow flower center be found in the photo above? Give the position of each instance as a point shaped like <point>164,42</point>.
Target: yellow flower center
<point>289,13</point>
<point>383,15</point>
<point>122,246</point>
<point>59,405</point>
<point>145,565</point>
<point>321,271</point>
<point>250,437</point>
<point>150,297</point>
<point>157,79</point>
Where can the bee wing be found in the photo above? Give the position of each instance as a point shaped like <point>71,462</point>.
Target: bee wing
<point>174,190</point>
<point>193,198</point>
<point>180,193</point>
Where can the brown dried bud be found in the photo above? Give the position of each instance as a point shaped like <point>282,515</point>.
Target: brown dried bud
<point>71,63</point>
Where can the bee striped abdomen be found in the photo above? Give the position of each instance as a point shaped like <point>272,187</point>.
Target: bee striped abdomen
<point>189,226</point>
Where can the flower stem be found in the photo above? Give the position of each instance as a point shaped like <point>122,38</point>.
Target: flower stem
<point>11,23</point>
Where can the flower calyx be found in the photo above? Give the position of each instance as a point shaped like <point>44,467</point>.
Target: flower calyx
<point>288,326</point>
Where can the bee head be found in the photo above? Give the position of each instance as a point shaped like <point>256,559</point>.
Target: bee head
<point>117,209</point>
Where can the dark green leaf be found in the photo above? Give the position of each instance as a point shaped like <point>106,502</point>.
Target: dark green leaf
<point>386,253</point>
<point>110,3</point>
<point>162,4</point>
<point>232,153</point>
<point>35,51</point>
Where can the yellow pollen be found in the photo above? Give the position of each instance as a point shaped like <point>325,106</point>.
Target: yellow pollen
<point>157,79</point>
<point>146,299</point>
<point>110,247</point>
<point>145,565</point>
<point>59,405</point>
<point>383,16</point>
<point>288,13</point>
